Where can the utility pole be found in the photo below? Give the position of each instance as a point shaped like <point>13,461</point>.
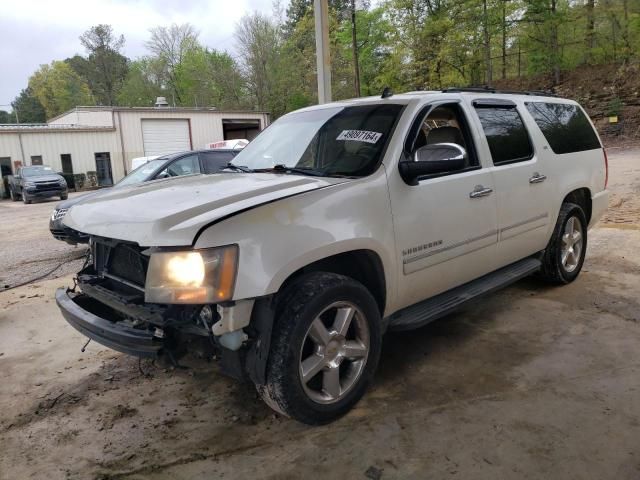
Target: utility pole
<point>323,56</point>
<point>354,40</point>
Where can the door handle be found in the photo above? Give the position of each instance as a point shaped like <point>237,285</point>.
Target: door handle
<point>537,178</point>
<point>480,191</point>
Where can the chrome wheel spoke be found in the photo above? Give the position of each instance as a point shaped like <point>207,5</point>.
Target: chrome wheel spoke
<point>319,333</point>
<point>576,237</point>
<point>354,349</point>
<point>343,320</point>
<point>331,382</point>
<point>332,358</point>
<point>311,366</point>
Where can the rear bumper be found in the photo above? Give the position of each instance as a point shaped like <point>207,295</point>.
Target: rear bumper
<point>599,204</point>
<point>132,341</point>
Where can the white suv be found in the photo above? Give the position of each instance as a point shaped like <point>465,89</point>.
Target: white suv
<point>336,223</point>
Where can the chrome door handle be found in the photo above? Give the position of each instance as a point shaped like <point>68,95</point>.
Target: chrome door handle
<point>480,191</point>
<point>537,178</point>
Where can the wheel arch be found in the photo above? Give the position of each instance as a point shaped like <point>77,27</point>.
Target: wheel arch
<point>362,265</point>
<point>582,198</point>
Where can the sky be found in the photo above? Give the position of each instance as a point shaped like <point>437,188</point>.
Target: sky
<point>34,32</point>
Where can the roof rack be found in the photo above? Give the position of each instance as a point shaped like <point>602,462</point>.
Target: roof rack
<point>485,89</point>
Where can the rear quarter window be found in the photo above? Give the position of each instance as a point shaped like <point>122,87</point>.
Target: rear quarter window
<point>565,127</point>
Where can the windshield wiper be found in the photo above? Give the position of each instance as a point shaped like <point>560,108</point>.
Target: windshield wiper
<point>280,168</point>
<point>238,168</point>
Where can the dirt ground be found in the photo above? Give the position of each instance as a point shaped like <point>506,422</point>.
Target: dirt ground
<point>533,382</point>
<point>28,249</point>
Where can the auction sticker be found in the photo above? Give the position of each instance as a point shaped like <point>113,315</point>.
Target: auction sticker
<point>359,136</point>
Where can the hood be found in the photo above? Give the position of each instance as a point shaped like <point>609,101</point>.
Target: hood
<point>171,212</point>
<point>79,198</point>
<point>43,178</point>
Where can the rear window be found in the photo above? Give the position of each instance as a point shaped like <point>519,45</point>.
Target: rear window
<point>506,134</point>
<point>565,126</point>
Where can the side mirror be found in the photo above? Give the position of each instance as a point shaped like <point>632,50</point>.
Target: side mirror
<point>433,159</point>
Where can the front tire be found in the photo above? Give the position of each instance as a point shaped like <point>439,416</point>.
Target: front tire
<point>26,199</point>
<point>325,348</point>
<point>564,255</point>
<point>64,196</point>
<point>13,196</point>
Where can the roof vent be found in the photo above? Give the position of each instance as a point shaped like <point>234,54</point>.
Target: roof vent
<point>161,102</point>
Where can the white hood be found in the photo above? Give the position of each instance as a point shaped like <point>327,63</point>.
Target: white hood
<point>171,212</point>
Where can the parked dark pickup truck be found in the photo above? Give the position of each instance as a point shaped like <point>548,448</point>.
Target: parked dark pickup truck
<point>37,181</point>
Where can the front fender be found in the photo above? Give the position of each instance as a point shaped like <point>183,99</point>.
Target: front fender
<point>279,238</point>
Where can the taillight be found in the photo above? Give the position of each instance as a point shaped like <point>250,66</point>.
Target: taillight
<point>606,168</point>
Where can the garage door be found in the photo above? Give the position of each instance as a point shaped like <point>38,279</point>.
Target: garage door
<point>165,136</point>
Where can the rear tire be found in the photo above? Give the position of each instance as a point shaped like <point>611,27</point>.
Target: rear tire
<point>325,348</point>
<point>564,255</point>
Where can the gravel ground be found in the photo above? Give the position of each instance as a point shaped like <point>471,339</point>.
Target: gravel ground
<point>28,249</point>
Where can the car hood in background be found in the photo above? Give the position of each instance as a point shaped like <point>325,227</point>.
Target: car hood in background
<point>171,212</point>
<point>80,198</point>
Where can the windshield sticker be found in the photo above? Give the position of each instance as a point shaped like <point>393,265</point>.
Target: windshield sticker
<point>359,136</point>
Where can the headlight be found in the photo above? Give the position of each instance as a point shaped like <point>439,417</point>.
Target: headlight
<point>196,276</point>
<point>29,184</point>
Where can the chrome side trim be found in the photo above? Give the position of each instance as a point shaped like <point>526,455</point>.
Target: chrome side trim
<point>524,222</point>
<point>450,247</point>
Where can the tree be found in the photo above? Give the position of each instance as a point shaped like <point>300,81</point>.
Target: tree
<point>170,45</point>
<point>59,88</point>
<point>29,108</point>
<point>105,68</point>
<point>207,77</point>
<point>143,83</point>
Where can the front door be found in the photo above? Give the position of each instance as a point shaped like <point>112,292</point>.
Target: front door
<point>103,169</point>
<point>445,226</point>
<point>524,193</point>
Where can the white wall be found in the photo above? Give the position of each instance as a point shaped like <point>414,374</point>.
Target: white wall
<point>82,145</point>
<point>92,118</point>
<point>206,127</point>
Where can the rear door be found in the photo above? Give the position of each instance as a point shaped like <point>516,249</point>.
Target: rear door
<point>522,178</point>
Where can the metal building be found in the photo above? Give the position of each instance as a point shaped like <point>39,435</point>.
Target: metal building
<point>105,139</point>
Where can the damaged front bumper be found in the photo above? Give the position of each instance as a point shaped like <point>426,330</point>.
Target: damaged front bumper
<point>115,335</point>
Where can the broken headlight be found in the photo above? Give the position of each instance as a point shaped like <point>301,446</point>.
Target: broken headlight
<point>194,276</point>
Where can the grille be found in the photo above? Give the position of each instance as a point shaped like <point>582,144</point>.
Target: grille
<point>45,186</point>
<point>121,260</point>
<point>127,263</point>
<point>59,213</point>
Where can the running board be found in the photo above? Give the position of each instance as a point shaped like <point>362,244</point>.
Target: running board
<point>436,307</point>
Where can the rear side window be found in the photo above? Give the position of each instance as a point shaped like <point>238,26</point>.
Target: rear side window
<point>506,134</point>
<point>213,162</point>
<point>565,127</point>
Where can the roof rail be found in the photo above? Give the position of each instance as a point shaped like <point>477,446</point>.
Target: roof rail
<point>486,89</point>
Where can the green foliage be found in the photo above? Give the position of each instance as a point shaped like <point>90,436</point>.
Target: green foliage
<point>105,68</point>
<point>29,108</point>
<point>403,44</point>
<point>59,88</point>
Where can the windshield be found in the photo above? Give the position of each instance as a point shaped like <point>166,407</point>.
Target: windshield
<point>36,171</point>
<point>141,173</point>
<point>345,141</point>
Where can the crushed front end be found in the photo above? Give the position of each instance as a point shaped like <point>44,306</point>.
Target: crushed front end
<point>109,303</point>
